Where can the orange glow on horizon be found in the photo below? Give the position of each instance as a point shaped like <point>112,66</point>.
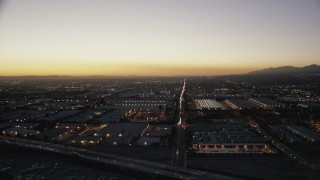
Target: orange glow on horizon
<point>122,70</point>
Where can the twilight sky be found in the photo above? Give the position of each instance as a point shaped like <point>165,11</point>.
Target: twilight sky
<point>156,37</point>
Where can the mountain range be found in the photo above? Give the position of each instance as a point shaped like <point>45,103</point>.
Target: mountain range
<point>280,75</point>
<point>289,71</point>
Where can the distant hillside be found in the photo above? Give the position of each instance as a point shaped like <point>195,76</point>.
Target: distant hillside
<point>289,71</point>
<point>281,75</point>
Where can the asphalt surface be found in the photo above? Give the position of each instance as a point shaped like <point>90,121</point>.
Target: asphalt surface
<point>137,166</point>
<point>179,153</point>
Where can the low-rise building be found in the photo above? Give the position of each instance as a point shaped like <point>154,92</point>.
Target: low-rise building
<point>85,140</point>
<point>122,133</point>
<point>71,126</point>
<point>305,133</point>
<point>284,134</point>
<point>239,148</point>
<point>159,130</point>
<point>143,104</point>
<point>209,104</point>
<point>309,105</point>
<point>266,103</point>
<point>56,134</point>
<point>229,136</point>
<point>239,104</point>
<point>20,132</point>
<point>61,115</point>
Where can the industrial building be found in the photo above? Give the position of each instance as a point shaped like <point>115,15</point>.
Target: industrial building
<point>232,148</point>
<point>21,132</point>
<point>305,133</point>
<point>150,104</point>
<point>209,104</point>
<point>84,140</point>
<point>239,104</point>
<point>229,136</point>
<point>283,133</point>
<point>122,133</point>
<point>159,130</point>
<point>56,134</point>
<point>309,105</point>
<point>266,103</point>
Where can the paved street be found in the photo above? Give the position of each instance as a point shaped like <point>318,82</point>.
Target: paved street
<point>179,154</point>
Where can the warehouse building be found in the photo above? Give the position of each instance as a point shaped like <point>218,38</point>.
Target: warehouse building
<point>305,133</point>
<point>150,104</point>
<point>239,104</point>
<point>266,103</point>
<point>21,132</point>
<point>84,140</point>
<point>209,104</point>
<point>122,133</point>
